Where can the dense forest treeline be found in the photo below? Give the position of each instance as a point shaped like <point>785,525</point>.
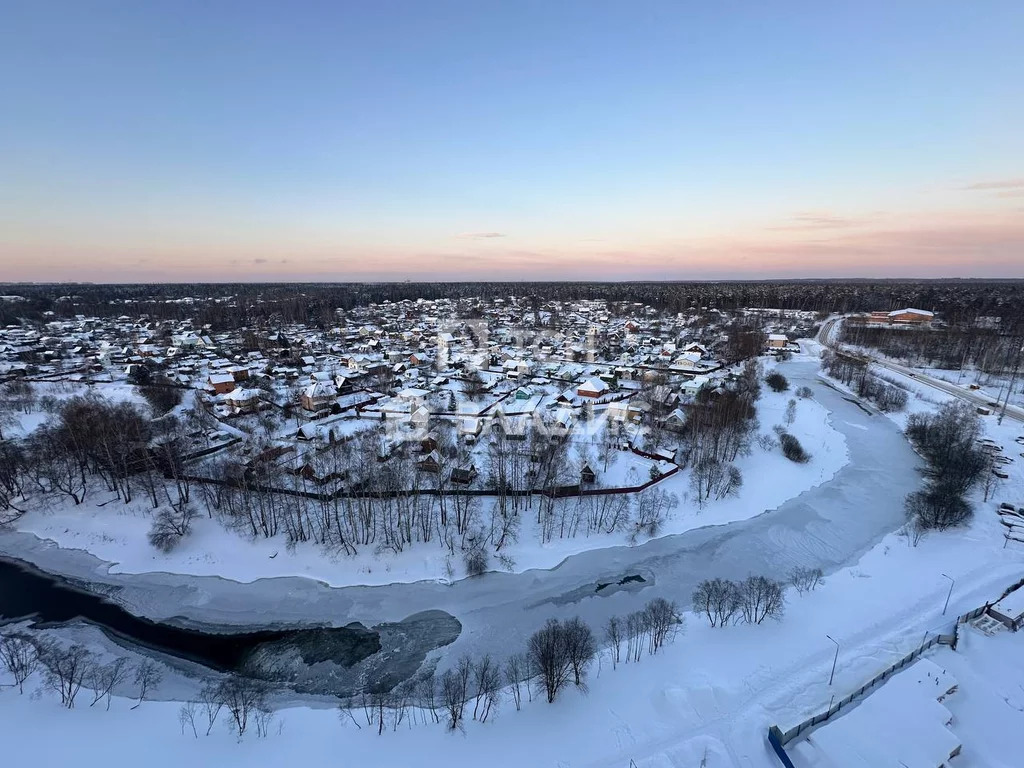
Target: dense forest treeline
<point>239,304</point>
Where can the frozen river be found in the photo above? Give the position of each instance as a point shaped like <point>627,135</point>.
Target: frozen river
<point>828,526</point>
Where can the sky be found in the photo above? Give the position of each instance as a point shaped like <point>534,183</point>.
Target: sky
<point>477,140</point>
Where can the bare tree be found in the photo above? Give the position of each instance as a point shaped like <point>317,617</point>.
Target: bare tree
<point>718,599</point>
<point>580,647</point>
<point>262,716</point>
<point>636,630</point>
<point>187,717</point>
<point>426,690</point>
<point>486,684</point>
<point>516,667</point>
<point>613,634</point>
<point>67,669</point>
<point>104,678</point>
<point>711,477</point>
<point>805,579</point>
<point>937,508</point>
<point>662,619</point>
<point>760,598</point>
<point>242,697</point>
<point>650,510</point>
<point>147,675</point>
<point>549,656</point>
<point>211,704</point>
<point>19,656</point>
<point>790,412</point>
<point>345,712</point>
<point>455,691</point>
<point>170,525</point>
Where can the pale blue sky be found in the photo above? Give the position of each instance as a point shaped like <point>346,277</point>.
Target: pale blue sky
<point>342,140</point>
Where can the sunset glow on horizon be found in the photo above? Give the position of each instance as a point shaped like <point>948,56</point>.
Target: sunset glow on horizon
<point>536,140</point>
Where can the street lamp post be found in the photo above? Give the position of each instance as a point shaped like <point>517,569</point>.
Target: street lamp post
<point>834,660</point>
<point>952,581</point>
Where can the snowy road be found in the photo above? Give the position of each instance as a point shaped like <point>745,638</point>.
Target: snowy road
<point>827,526</point>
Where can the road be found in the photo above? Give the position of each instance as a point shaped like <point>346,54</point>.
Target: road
<point>827,337</point>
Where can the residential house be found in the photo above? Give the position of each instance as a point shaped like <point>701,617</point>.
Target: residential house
<point>594,388</point>
<point>222,383</point>
<point>318,396</point>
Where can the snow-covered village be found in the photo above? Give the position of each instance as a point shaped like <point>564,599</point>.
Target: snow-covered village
<point>723,535</point>
<point>576,384</point>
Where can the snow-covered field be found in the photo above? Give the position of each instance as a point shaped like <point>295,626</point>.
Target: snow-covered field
<point>116,533</point>
<point>62,390</point>
<point>712,693</point>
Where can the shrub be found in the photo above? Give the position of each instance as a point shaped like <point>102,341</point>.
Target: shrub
<point>777,381</point>
<point>476,561</point>
<point>936,508</point>
<point>170,526</point>
<point>792,449</point>
<point>947,440</point>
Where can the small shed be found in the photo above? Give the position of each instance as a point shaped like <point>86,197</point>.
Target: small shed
<point>464,475</point>
<point>1010,609</point>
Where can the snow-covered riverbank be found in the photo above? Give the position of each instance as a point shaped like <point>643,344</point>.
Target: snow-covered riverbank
<point>826,526</point>
<point>116,533</point>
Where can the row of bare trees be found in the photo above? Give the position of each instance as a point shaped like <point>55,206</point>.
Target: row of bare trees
<point>857,374</point>
<point>752,600</point>
<point>90,442</point>
<point>956,347</point>
<point>68,669</point>
<point>349,499</point>
<point>243,701</point>
<point>656,624</point>
<point>557,656</point>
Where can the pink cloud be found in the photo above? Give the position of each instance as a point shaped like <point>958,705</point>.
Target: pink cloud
<point>1003,184</point>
